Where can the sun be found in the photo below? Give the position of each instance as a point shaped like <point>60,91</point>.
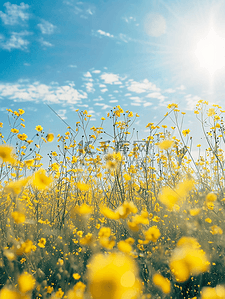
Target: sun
<point>210,52</point>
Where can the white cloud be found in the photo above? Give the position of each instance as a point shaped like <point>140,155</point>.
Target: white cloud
<point>170,90</point>
<point>104,106</point>
<point>46,27</point>
<point>62,113</point>
<point>45,43</point>
<point>96,72</point>
<point>113,101</point>
<point>15,14</point>
<point>87,75</point>
<point>124,38</point>
<point>89,87</point>
<point>104,90</point>
<point>101,32</point>
<point>110,78</point>
<point>191,101</point>
<point>182,87</point>
<point>129,19</point>
<point>72,65</point>
<point>147,104</point>
<point>140,87</point>
<point>16,41</point>
<point>82,9</point>
<point>37,92</point>
<point>98,99</point>
<point>135,104</point>
<point>156,95</point>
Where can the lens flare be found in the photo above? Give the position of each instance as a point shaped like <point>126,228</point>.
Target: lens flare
<point>210,52</point>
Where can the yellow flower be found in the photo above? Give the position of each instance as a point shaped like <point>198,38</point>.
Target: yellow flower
<point>162,282</point>
<point>113,276</point>
<point>77,291</point>
<point>18,217</point>
<point>50,137</point>
<point>6,293</point>
<point>170,197</point>
<point>165,144</point>
<point>40,180</point>
<point>86,240</point>
<point>22,137</point>
<point>195,211</point>
<point>26,282</point>
<point>21,111</point>
<point>188,259</point>
<point>126,208</point>
<point>211,197</point>
<point>152,234</point>
<point>83,186</point>
<point>76,276</point>
<point>14,130</point>
<point>39,128</point>
<point>84,209</point>
<point>127,177</point>
<point>216,230</point>
<point>29,163</point>
<point>25,247</point>
<point>213,293</point>
<point>124,246</point>
<point>208,220</point>
<point>6,154</point>
<point>185,132</point>
<point>108,213</point>
<point>211,112</point>
<point>17,186</point>
<point>42,242</point>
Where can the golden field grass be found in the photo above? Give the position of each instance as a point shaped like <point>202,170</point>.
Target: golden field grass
<point>113,217</point>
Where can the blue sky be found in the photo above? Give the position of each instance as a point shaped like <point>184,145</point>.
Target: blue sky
<point>94,55</point>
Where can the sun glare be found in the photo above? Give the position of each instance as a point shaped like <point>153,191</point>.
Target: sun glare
<point>210,52</point>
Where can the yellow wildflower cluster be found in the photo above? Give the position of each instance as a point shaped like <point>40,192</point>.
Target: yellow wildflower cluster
<point>188,259</point>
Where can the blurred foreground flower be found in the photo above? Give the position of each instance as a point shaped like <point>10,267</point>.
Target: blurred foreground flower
<point>16,186</point>
<point>113,276</point>
<point>162,282</point>
<point>26,282</point>
<point>170,197</point>
<point>50,137</point>
<point>6,154</point>
<point>165,144</point>
<point>40,180</point>
<point>188,259</point>
<point>213,293</point>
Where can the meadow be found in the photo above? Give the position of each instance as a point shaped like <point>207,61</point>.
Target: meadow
<point>111,216</point>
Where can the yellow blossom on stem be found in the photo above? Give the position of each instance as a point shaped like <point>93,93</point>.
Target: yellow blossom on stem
<point>186,132</point>
<point>42,242</point>
<point>39,128</point>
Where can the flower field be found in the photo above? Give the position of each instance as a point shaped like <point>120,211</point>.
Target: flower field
<point>111,216</point>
